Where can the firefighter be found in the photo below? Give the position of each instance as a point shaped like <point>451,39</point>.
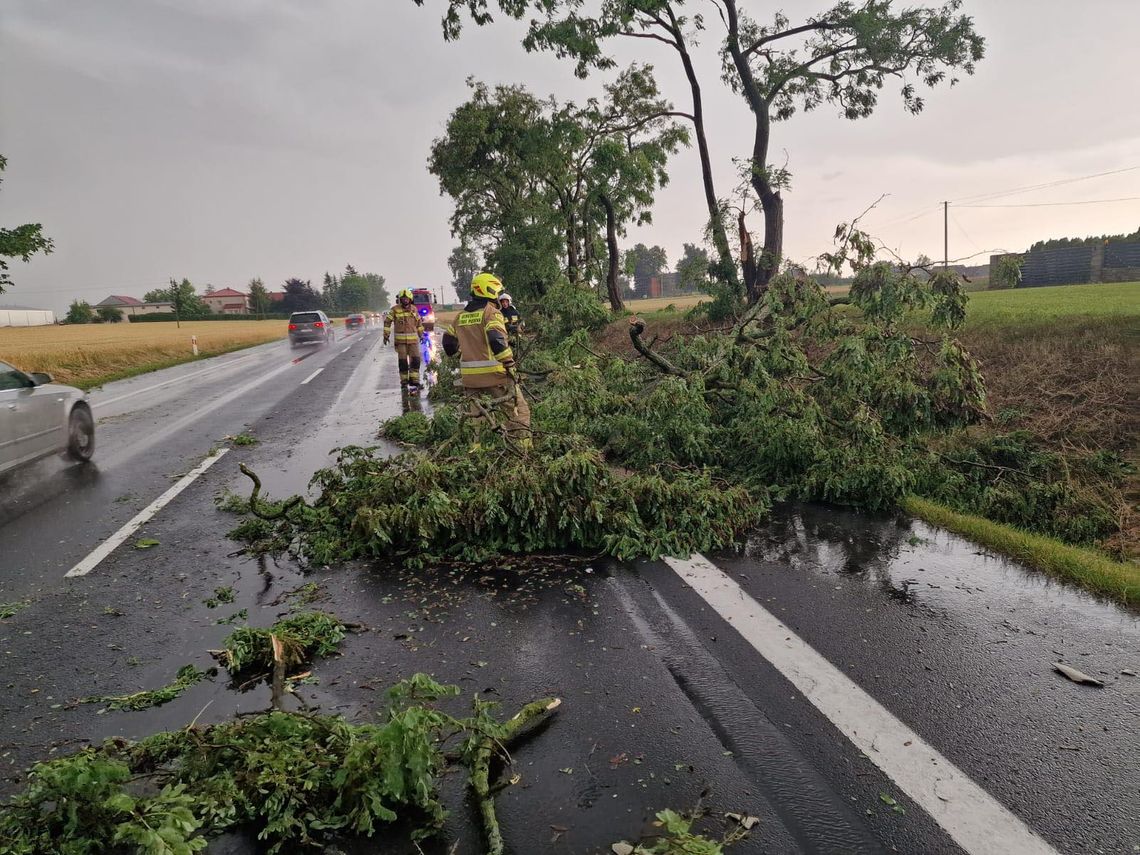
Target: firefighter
<point>486,362</point>
<point>511,316</point>
<point>409,330</point>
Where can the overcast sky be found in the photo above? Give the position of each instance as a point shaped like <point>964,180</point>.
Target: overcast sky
<point>226,139</point>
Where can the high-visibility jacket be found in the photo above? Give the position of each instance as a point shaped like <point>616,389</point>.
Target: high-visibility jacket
<point>479,336</point>
<point>409,327</point>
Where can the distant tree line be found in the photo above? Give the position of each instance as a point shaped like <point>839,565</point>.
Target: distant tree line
<point>1091,240</point>
<point>349,292</point>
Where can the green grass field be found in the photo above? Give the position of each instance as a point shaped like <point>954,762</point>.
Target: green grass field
<point>1046,306</point>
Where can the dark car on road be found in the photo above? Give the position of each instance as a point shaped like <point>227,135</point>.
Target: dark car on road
<point>310,327</point>
<point>354,322</point>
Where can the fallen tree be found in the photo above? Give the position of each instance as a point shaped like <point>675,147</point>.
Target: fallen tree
<point>294,780</point>
<point>661,450</point>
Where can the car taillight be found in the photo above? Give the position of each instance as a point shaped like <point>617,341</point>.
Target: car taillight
<point>292,326</point>
<point>319,324</point>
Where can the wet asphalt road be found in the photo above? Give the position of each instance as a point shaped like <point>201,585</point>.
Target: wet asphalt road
<point>663,699</point>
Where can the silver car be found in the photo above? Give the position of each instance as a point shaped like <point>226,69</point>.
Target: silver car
<point>39,418</point>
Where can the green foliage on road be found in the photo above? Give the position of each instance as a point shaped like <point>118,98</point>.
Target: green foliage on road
<point>676,837</point>
<point>8,610</point>
<point>449,504</point>
<point>186,677</point>
<point>295,780</point>
<point>249,650</point>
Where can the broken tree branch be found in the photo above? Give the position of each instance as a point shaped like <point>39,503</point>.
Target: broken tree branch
<point>481,767</point>
<point>286,506</point>
<point>636,328</point>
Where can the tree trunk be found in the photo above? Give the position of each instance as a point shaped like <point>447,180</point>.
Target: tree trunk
<point>616,302</point>
<point>770,200</point>
<point>716,223</point>
<point>572,264</point>
<point>747,257</point>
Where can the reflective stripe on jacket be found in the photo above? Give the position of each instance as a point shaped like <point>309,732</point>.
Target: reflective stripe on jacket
<point>409,327</point>
<point>480,338</point>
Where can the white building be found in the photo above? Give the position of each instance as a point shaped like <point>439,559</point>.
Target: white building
<point>132,306</point>
<point>24,316</point>
<point>227,301</point>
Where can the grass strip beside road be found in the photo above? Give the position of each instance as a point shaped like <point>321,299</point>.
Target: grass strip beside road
<point>91,355</point>
<point>1119,581</point>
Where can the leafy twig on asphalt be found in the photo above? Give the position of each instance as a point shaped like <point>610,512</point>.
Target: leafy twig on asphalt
<point>186,677</point>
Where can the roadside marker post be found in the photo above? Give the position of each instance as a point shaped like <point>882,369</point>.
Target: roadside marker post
<point>194,344</point>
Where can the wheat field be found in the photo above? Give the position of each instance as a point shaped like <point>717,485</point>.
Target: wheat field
<point>86,355</point>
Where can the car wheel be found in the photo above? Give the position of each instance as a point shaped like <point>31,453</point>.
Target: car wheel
<point>80,434</point>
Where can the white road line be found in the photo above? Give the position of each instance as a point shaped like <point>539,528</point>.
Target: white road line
<point>311,376</point>
<point>970,815</point>
<point>171,382</point>
<point>142,517</point>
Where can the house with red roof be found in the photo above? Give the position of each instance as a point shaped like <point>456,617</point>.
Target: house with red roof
<point>227,301</point>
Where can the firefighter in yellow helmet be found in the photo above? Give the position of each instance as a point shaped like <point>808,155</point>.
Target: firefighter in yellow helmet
<point>486,362</point>
<point>409,330</point>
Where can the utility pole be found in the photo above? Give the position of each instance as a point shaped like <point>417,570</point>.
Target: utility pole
<point>945,234</point>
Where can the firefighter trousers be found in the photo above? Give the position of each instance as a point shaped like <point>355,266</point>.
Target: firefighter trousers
<point>408,360</point>
<point>502,406</point>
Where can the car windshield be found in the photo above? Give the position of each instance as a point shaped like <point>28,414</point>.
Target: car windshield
<point>305,317</point>
<point>421,299</point>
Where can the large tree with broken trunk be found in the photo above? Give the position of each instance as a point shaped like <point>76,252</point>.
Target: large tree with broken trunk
<point>843,56</point>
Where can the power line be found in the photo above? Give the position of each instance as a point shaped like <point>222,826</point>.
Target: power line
<point>909,218</point>
<point>1056,204</point>
<point>997,194</point>
<point>964,234</point>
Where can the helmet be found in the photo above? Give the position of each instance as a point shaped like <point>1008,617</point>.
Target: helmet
<point>505,296</point>
<point>486,285</point>
<point>407,292</point>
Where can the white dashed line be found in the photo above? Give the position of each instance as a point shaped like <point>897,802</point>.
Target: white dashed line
<point>142,517</point>
<point>311,376</point>
<point>972,817</point>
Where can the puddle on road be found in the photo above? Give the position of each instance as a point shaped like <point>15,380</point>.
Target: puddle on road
<point>914,563</point>
<point>370,397</point>
<point>366,400</point>
<point>439,591</point>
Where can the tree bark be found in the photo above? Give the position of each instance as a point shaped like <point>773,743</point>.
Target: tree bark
<point>747,257</point>
<point>616,302</point>
<point>572,265</point>
<point>716,224</point>
<point>771,202</point>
